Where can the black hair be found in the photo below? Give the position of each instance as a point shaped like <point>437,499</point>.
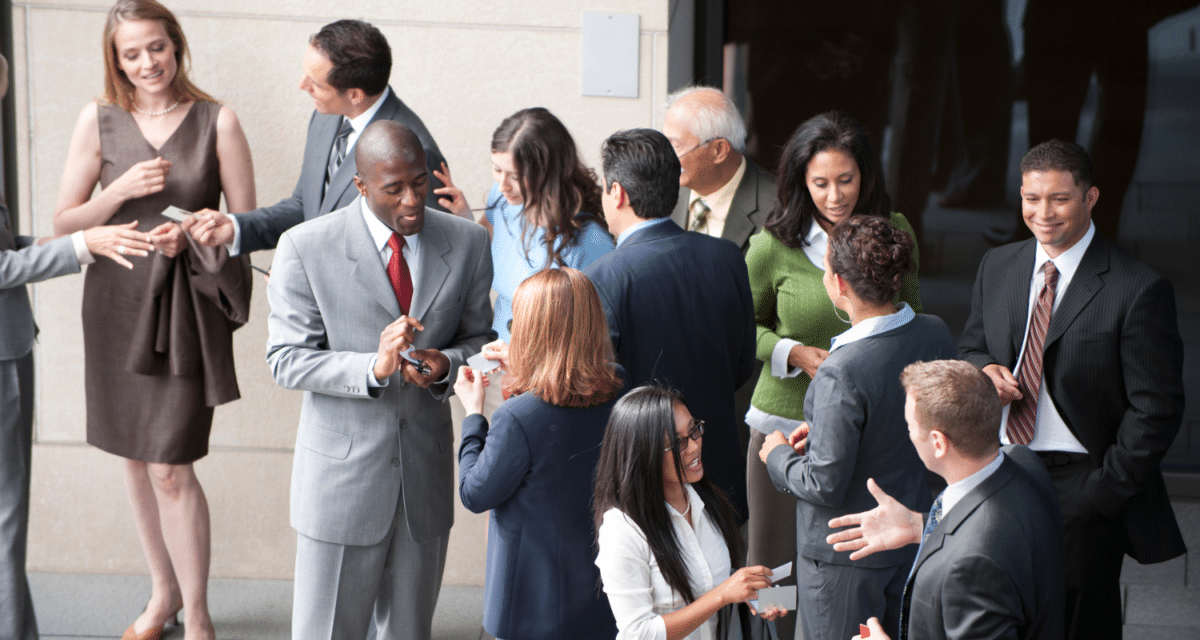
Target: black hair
<point>1057,155</point>
<point>360,55</point>
<point>643,161</point>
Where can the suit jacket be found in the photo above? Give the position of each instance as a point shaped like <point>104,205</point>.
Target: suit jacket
<point>752,202</point>
<point>22,262</point>
<point>855,407</point>
<point>359,449</point>
<point>1112,363</point>
<point>680,315</point>
<point>993,567</point>
<point>534,468</point>
<point>261,228</point>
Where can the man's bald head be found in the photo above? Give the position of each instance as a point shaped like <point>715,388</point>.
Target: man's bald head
<point>387,141</point>
<point>707,134</point>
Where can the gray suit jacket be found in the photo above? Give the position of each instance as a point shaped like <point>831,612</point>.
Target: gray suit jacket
<point>360,449</point>
<point>993,567</point>
<point>262,227</point>
<point>22,262</point>
<point>855,408</point>
<point>752,202</point>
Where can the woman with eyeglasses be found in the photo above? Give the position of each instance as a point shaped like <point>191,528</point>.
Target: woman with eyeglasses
<point>533,466</point>
<point>668,538</point>
<point>855,430</point>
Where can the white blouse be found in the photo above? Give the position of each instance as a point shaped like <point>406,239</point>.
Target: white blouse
<point>637,591</point>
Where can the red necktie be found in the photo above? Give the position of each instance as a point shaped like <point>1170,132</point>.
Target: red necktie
<point>1022,415</point>
<point>397,271</point>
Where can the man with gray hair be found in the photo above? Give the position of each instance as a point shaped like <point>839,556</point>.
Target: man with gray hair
<point>722,193</point>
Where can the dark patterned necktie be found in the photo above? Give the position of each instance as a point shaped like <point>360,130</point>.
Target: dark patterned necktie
<point>935,516</point>
<point>338,153</point>
<point>1022,414</point>
<point>398,273</point>
<point>699,212</point>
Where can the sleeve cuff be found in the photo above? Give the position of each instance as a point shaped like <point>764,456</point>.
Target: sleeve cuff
<point>81,251</point>
<point>779,359</point>
<point>372,383</point>
<point>235,246</point>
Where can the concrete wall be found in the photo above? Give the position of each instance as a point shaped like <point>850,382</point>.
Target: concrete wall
<point>463,65</point>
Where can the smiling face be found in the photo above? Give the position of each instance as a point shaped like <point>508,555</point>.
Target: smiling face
<point>146,55</point>
<point>395,189</point>
<point>326,99</point>
<point>504,172</point>
<point>689,457</point>
<point>1056,210</point>
<point>833,181</point>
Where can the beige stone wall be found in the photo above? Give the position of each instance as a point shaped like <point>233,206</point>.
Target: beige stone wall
<point>463,65</point>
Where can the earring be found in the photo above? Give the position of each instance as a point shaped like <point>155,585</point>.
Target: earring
<point>849,316</point>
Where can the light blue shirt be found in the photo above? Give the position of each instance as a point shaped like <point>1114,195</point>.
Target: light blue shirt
<point>638,227</point>
<point>515,258</point>
<point>873,326</point>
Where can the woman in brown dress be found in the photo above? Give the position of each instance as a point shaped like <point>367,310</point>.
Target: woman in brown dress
<point>157,343</point>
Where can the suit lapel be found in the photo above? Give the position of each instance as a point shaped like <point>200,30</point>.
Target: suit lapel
<point>433,268</point>
<point>323,137</point>
<point>1018,297</point>
<point>368,268</point>
<point>1084,285</point>
<point>738,226</point>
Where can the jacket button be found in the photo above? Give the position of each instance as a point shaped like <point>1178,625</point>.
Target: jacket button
<point>403,423</point>
<point>395,462</point>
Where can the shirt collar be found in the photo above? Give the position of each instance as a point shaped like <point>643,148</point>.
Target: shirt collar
<point>360,122</point>
<point>1068,261</point>
<point>721,199</point>
<point>380,232</point>
<point>959,490</point>
<point>873,326</point>
<point>641,225</point>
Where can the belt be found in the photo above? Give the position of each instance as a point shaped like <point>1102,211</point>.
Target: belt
<point>1061,458</point>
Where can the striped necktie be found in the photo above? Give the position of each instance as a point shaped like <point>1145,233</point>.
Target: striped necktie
<point>1022,414</point>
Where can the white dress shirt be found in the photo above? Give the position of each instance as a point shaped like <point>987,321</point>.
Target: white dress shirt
<point>637,591</point>
<point>958,490</point>
<point>357,124</point>
<point>1050,433</point>
<point>380,234</point>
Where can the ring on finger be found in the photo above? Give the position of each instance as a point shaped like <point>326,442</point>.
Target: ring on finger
<point>121,249</point>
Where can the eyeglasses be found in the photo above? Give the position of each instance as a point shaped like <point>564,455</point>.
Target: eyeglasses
<point>694,434</point>
<point>681,155</point>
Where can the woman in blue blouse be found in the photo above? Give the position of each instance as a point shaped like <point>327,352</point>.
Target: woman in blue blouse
<point>533,466</point>
<point>544,209</point>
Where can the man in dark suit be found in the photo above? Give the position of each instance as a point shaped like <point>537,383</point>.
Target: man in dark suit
<point>990,561</point>
<point>25,260</point>
<point>372,484</point>
<point>1081,342</point>
<point>346,70</point>
<point>722,193</point>
<point>678,303</point>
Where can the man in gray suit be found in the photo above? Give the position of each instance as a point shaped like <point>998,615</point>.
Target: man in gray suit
<point>722,193</point>
<point>991,557</point>
<point>25,260</point>
<point>372,483</point>
<point>346,70</point>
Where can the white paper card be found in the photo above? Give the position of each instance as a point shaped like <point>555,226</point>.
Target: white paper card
<point>480,363</point>
<point>782,597</point>
<point>176,214</point>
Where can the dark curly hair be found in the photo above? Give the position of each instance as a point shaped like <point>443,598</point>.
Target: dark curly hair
<point>871,255</point>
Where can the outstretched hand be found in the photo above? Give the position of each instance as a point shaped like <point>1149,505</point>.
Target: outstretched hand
<point>891,525</point>
<point>118,241</point>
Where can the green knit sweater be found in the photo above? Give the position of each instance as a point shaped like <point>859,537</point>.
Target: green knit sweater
<point>790,302</point>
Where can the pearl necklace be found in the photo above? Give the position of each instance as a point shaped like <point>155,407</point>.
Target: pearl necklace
<point>155,114</point>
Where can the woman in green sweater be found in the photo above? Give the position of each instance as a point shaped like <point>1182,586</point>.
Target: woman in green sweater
<point>827,173</point>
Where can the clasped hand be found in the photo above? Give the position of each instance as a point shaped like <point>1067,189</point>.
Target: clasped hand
<point>397,337</point>
<point>744,584</point>
<point>797,440</point>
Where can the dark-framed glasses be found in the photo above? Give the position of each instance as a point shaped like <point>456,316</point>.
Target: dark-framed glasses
<point>693,435</point>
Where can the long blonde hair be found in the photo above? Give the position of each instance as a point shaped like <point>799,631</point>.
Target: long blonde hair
<point>118,89</point>
<point>561,351</point>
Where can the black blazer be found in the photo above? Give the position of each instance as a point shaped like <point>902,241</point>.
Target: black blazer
<point>680,314</point>
<point>1113,366</point>
<point>993,567</point>
<point>262,227</point>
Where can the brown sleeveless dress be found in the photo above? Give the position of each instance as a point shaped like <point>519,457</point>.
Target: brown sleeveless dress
<point>157,339</point>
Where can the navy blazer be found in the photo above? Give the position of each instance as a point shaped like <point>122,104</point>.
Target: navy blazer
<point>534,469</point>
<point>1113,367</point>
<point>680,314</point>
<point>993,567</point>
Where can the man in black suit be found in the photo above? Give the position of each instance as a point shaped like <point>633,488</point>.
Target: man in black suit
<point>346,70</point>
<point>1095,388</point>
<point>678,303</point>
<point>990,564</point>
